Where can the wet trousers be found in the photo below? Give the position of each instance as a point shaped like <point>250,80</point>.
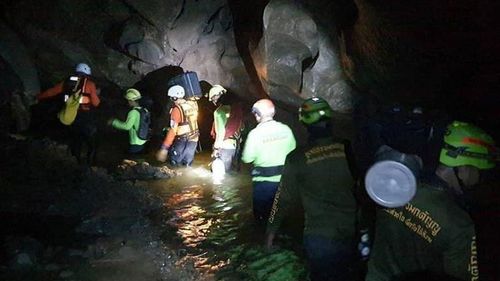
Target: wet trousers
<point>227,156</point>
<point>83,131</point>
<point>329,259</point>
<point>263,197</point>
<point>182,152</point>
<point>135,149</point>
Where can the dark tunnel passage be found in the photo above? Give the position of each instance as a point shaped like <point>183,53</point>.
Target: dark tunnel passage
<point>380,98</point>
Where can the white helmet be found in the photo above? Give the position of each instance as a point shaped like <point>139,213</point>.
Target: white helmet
<point>83,68</point>
<point>216,90</point>
<point>176,92</point>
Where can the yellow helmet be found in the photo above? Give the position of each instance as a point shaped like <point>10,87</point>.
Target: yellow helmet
<point>216,90</point>
<point>466,144</point>
<point>132,94</point>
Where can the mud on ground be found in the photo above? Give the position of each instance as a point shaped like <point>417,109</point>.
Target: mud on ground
<point>62,221</point>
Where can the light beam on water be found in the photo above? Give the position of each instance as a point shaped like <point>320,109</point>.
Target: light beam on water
<point>214,231</point>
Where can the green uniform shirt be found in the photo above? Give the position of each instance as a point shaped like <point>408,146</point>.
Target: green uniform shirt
<point>431,233</point>
<point>267,145</point>
<point>318,177</point>
<point>221,116</point>
<point>131,125</point>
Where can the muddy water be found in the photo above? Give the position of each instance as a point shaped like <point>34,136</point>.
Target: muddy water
<point>211,226</point>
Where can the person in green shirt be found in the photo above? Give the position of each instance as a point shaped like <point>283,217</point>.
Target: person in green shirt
<point>136,144</point>
<point>433,233</point>
<point>266,147</point>
<point>317,177</point>
<point>227,126</point>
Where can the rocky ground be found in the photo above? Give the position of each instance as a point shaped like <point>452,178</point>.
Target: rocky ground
<point>62,221</point>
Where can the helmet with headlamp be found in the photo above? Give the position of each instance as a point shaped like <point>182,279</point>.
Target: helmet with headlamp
<point>314,110</point>
<point>466,144</point>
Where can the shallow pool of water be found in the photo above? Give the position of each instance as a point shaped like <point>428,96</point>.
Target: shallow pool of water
<point>212,227</point>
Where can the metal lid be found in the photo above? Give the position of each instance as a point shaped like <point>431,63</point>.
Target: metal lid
<point>390,184</point>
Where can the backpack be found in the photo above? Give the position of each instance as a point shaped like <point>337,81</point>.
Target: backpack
<point>189,81</point>
<point>146,102</point>
<point>72,97</point>
<point>144,123</point>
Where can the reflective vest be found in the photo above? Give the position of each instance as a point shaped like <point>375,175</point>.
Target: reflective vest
<point>188,127</point>
<point>266,147</point>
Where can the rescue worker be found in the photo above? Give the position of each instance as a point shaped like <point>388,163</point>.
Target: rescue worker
<point>434,232</point>
<point>266,147</point>
<point>182,137</point>
<point>227,125</point>
<point>84,128</point>
<point>136,145</point>
<point>318,177</point>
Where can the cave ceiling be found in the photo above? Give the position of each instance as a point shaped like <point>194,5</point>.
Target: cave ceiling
<point>424,52</point>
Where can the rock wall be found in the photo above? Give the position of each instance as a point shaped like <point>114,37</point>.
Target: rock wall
<point>20,79</point>
<point>421,52</point>
<point>122,41</point>
<point>298,57</point>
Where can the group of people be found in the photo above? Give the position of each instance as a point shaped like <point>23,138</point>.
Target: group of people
<point>180,142</point>
<point>83,129</point>
<point>431,234</point>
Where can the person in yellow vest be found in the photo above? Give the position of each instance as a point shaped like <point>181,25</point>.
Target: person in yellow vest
<point>182,137</point>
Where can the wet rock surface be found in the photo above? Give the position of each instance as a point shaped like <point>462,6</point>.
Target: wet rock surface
<point>300,58</point>
<point>62,221</point>
<point>423,52</point>
<point>121,41</point>
<point>130,169</point>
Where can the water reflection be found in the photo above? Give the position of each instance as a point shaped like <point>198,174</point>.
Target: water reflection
<point>215,228</point>
<point>188,218</point>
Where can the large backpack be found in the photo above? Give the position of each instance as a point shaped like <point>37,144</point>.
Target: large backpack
<point>189,81</point>
<point>73,89</point>
<point>72,85</point>
<point>145,121</point>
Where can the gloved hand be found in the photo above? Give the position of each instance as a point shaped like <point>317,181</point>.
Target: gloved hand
<point>161,155</point>
<point>110,122</point>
